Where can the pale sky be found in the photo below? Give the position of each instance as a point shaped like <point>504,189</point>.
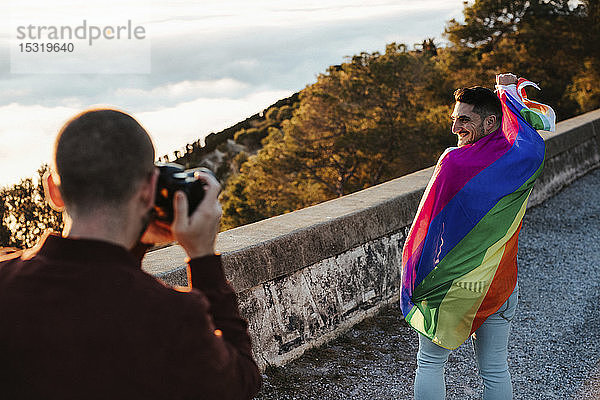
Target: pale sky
<point>210,63</point>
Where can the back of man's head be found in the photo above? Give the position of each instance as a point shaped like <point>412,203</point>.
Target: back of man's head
<point>485,101</point>
<point>101,156</point>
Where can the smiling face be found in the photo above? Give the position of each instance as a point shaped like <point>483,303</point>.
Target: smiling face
<point>467,125</point>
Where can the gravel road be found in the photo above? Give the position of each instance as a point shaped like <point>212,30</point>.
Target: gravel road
<point>554,351</point>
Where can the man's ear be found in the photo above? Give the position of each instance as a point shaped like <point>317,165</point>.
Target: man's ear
<point>148,189</point>
<point>52,193</point>
<point>490,123</point>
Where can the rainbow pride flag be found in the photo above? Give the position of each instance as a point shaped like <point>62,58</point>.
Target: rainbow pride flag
<point>459,262</point>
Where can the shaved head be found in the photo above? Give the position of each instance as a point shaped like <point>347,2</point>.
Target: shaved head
<point>100,157</point>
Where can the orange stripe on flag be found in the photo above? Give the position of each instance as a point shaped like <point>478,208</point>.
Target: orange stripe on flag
<point>503,283</point>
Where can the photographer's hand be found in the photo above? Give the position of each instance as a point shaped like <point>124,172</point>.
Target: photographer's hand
<point>197,233</point>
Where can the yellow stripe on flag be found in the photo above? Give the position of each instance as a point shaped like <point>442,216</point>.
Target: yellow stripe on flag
<point>464,297</point>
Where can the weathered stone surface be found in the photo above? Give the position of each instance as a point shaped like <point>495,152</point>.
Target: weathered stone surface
<point>296,312</point>
<point>571,151</point>
<point>259,252</point>
<point>306,276</point>
<point>564,168</point>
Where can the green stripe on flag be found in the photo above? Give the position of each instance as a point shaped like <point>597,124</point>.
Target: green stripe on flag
<point>534,119</point>
<point>468,253</point>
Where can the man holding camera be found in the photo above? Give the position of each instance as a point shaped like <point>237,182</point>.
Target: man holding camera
<point>80,319</point>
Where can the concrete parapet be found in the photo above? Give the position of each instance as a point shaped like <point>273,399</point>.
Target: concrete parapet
<point>304,277</point>
<point>572,151</point>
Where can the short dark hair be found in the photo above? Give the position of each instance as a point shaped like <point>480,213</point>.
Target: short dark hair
<point>485,101</point>
<point>101,156</point>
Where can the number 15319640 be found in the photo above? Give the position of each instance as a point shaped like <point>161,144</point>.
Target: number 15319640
<point>46,47</point>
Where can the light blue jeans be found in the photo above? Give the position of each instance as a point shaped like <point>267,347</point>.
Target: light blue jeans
<point>490,344</point>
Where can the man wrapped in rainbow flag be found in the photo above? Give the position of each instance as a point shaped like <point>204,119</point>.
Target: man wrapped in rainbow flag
<point>459,263</point>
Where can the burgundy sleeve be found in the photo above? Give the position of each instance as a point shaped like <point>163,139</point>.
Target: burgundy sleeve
<point>208,277</point>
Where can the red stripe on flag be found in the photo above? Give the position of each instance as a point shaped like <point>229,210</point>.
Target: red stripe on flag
<point>503,283</point>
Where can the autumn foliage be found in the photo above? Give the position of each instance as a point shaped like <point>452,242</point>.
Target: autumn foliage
<point>376,116</point>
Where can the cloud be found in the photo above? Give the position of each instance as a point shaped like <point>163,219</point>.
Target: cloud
<point>227,16</point>
<point>28,141</point>
<point>27,135</point>
<point>171,128</point>
<point>213,63</point>
<point>179,92</point>
<point>264,45</point>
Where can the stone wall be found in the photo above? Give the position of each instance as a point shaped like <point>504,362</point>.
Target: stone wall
<point>303,278</point>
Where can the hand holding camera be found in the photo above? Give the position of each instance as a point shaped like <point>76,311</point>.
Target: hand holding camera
<point>186,210</point>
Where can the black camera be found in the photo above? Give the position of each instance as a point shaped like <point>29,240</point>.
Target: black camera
<point>174,177</point>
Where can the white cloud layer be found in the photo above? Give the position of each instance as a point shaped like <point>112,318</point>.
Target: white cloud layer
<point>182,91</point>
<point>195,119</point>
<point>27,142</point>
<point>213,63</point>
<point>27,135</point>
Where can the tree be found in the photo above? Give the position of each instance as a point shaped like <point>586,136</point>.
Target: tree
<point>371,119</point>
<point>284,113</point>
<point>25,212</point>
<point>538,39</point>
<point>585,90</point>
<point>5,232</point>
<point>486,23</point>
<point>263,187</point>
<point>251,137</point>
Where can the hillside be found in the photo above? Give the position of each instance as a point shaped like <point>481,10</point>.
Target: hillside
<point>221,148</point>
<point>374,117</point>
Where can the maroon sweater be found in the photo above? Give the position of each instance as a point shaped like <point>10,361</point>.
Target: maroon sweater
<point>79,319</point>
